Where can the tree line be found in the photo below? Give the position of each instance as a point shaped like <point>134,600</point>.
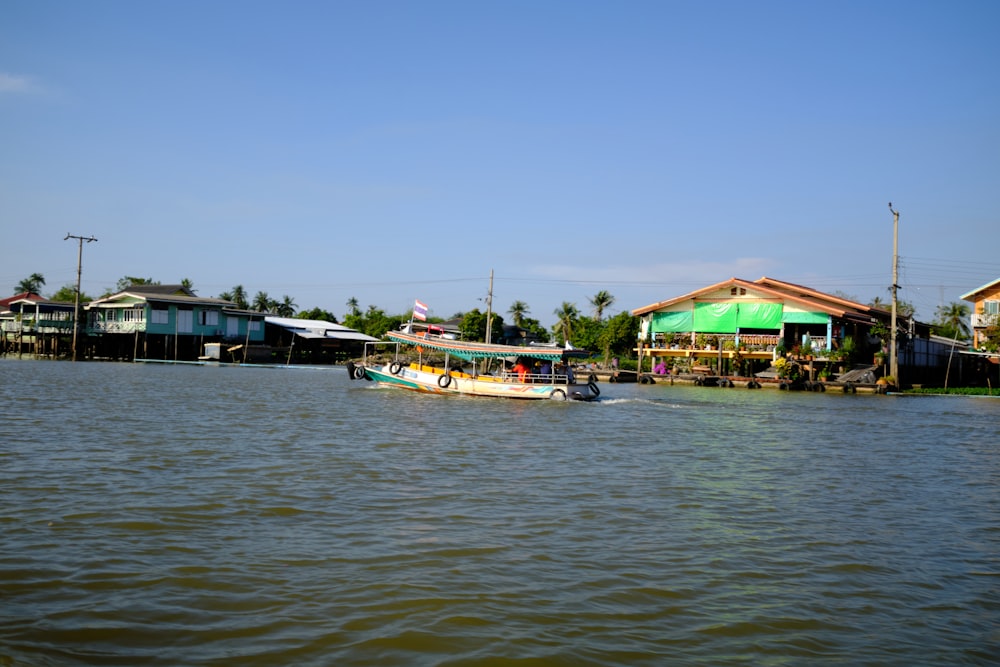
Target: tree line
<point>613,336</point>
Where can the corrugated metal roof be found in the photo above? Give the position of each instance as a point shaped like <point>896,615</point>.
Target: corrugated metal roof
<point>318,329</point>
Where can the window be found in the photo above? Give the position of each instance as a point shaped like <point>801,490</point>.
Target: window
<point>159,316</point>
<point>991,307</point>
<point>133,315</point>
<point>208,318</point>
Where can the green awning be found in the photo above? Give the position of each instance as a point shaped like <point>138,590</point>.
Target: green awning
<point>802,317</point>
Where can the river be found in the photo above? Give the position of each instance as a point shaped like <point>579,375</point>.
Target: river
<point>187,515</point>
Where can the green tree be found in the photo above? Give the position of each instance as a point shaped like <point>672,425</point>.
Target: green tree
<point>187,284</point>
<point>318,314</point>
<point>586,334</point>
<point>568,316</point>
<point>67,294</point>
<point>286,307</point>
<point>903,308</point>
<point>32,284</point>
<point>262,303</point>
<point>518,310</point>
<point>619,335</point>
<point>952,321</point>
<point>601,301</point>
<point>237,295</point>
<point>374,322</point>
<point>535,328</point>
<point>128,281</point>
<point>352,307</point>
<point>473,326</point>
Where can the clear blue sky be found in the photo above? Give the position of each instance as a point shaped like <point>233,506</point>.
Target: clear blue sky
<point>389,151</point>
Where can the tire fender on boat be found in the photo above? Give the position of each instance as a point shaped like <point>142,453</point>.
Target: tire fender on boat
<point>593,389</point>
<point>358,372</point>
<point>395,367</point>
<point>558,395</point>
<point>444,381</point>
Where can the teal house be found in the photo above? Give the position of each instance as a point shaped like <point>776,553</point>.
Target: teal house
<point>167,322</point>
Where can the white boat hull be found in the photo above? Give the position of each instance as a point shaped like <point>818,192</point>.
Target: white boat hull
<point>434,380</point>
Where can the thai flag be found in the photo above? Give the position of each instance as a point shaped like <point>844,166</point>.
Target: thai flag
<point>420,311</point>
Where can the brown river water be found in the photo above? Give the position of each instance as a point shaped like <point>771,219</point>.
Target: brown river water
<point>187,515</point>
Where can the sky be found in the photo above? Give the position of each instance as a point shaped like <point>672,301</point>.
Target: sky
<point>391,151</point>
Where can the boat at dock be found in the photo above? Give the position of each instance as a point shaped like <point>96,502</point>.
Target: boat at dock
<point>409,360</point>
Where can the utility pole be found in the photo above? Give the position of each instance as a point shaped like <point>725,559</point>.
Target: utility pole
<point>489,311</point>
<point>79,273</point>
<point>893,355</point>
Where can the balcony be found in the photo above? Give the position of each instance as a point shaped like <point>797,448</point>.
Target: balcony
<point>983,320</point>
<point>114,327</point>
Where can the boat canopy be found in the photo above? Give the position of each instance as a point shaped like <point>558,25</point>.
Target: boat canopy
<point>470,351</point>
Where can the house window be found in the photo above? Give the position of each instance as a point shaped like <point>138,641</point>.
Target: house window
<point>991,307</point>
<point>208,318</point>
<point>159,316</point>
<point>133,315</point>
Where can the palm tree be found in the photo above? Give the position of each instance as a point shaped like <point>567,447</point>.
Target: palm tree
<point>601,300</point>
<point>239,297</point>
<point>262,302</point>
<point>32,284</point>
<point>518,310</point>
<point>567,314</point>
<point>352,305</point>
<point>953,320</point>
<point>286,308</point>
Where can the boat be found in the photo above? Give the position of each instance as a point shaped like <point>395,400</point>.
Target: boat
<point>473,369</point>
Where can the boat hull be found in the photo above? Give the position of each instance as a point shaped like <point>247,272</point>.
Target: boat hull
<point>435,381</point>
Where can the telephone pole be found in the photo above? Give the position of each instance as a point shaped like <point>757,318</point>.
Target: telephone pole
<point>79,273</point>
<point>893,356</point>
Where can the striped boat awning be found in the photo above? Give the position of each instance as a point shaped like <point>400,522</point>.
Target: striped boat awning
<point>469,351</point>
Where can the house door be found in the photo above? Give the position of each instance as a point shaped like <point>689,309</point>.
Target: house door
<point>185,321</point>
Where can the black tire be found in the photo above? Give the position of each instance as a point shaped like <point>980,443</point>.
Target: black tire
<point>849,388</point>
<point>395,367</point>
<point>699,382</point>
<point>350,369</point>
<point>558,395</point>
<point>358,373</point>
<point>783,386</point>
<point>613,379</point>
<point>593,389</point>
<point>444,381</point>
<point>645,379</point>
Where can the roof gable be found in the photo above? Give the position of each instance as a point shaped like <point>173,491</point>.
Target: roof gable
<point>974,295</point>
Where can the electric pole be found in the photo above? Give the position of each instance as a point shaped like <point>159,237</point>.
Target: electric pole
<point>79,273</point>
<point>893,355</point>
<point>489,311</point>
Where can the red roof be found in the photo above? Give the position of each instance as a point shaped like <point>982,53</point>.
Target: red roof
<point>5,303</point>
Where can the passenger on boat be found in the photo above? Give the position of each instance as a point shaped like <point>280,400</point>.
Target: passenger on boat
<point>545,371</point>
<point>567,370</point>
<point>522,370</point>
